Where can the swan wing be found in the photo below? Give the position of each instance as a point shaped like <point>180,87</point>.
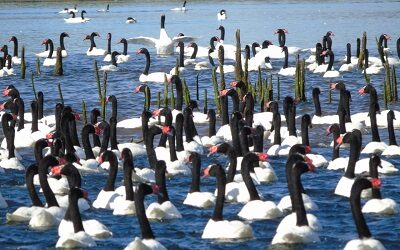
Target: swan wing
<point>149,41</point>
<point>185,39</point>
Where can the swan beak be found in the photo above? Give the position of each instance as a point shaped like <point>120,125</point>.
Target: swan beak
<point>56,171</point>
<point>376,183</point>
<point>361,91</point>
<point>307,149</point>
<point>339,141</point>
<point>328,131</point>
<point>223,92</point>
<point>206,172</point>
<point>156,189</point>
<point>332,86</point>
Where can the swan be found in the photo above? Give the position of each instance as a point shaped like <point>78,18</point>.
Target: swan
<point>107,195</point>
<point>11,162</point>
<point>181,65</point>
<point>62,46</point>
<point>71,229</point>
<point>124,57</point>
<point>158,77</point>
<point>15,59</point>
<point>163,209</point>
<point>113,66</point>
<point>349,61</point>
<point>345,183</point>
<point>296,229</point>
<point>3,72</point>
<point>330,72</point>
<point>393,149</point>
<point>282,40</point>
<point>195,198</point>
<point>92,227</point>
<point>50,60</point>
<point>212,139</point>
<point>23,214</point>
<point>377,204</point>
<point>148,240</point>
<point>68,10</point>
<point>44,53</point>
<point>90,163</point>
<point>221,15</point>
<point>125,204</point>
<point>255,209</point>
<point>74,19</point>
<point>164,44</point>
<point>285,70</point>
<point>107,57</point>
<point>9,69</point>
<point>365,240</point>
<point>107,9</point>
<point>217,227</point>
<point>181,9</point>
<point>318,118</point>
<point>93,50</point>
<point>130,20</point>
<point>370,70</point>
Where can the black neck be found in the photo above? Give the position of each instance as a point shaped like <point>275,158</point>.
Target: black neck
<point>353,156</point>
<point>282,38</point>
<point>74,133</point>
<point>232,164</point>
<point>30,172</point>
<point>147,67</point>
<point>248,162</point>
<point>161,183</point>
<point>358,47</point>
<point>235,99</point>
<point>244,141</point>
<point>224,110</point>
<point>196,163</point>
<point>366,55</point>
<point>181,55</point>
<point>128,167</point>
<point>297,198</point>
<point>317,104</point>
<point>86,130</point>
<point>38,148</point>
<point>219,204</point>
<point>113,133</point>
<point>336,133</point>
<point>355,203</point>
<point>163,22</point>
<point>73,175</point>
<point>109,43</point>
<point>277,128</point>
<point>44,164</point>
<point>21,113</point>
<point>304,132</point>
<point>331,59</point>
<point>171,141</point>
<point>179,132</point>
<point>286,61</point>
<point>151,154</point>
<point>179,93</point>
<point>374,127</point>
<point>195,49</point>
<point>392,136</point>
<point>258,139</point>
<point>62,41</point>
<point>211,125</point>
<point>235,128</point>
<point>72,213</point>
<point>65,123</point>
<point>34,112</point>
<point>348,53</point>
<point>144,223</point>
<point>51,48</point>
<point>15,47</point>
<point>113,169</point>
<point>106,136</point>
<point>222,29</point>
<point>125,43</point>
<point>40,102</point>
<point>92,43</point>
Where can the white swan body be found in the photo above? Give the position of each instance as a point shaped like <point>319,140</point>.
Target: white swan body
<point>380,206</point>
<point>95,52</point>
<point>369,243</point>
<point>139,244</point>
<point>285,204</point>
<point>392,150</point>
<point>227,230</point>
<point>200,199</point>
<point>92,227</point>
<point>344,185</point>
<point>166,210</point>
<point>76,240</point>
<point>48,217</point>
<point>259,210</point>
<point>49,62</point>
<point>105,199</point>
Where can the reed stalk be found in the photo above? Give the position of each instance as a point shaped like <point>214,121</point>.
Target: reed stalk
<point>84,115</point>
<point>37,66</point>
<point>216,92</point>
<point>165,95</point>
<point>104,96</point>
<point>388,81</point>
<point>33,86</point>
<point>394,84</point>
<point>60,93</point>
<point>197,86</point>
<point>363,47</point>
<point>205,104</point>
<point>58,69</point>
<point>172,97</point>
<point>238,63</point>
<point>278,88</point>
<point>23,63</point>
<point>186,91</point>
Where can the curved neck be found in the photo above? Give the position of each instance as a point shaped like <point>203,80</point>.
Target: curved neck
<point>73,176</point>
<point>147,67</point>
<point>51,49</point>
<point>38,148</point>
<point>304,133</point>
<point>128,167</point>
<point>161,183</point>
<point>73,214</point>
<point>248,163</point>
<point>196,163</point>
<point>144,223</point>
<point>44,164</point>
<point>86,130</point>
<point>62,42</point>
<point>106,137</point>
<point>331,59</point>
<point>29,174</point>
<point>335,149</point>
<point>235,100</point>
<point>355,203</point>
<point>151,154</point>
<point>219,204</point>
<point>195,49</point>
<point>112,174</point>
<point>353,156</point>
<point>317,105</point>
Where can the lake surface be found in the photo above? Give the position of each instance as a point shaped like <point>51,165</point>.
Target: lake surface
<point>306,21</point>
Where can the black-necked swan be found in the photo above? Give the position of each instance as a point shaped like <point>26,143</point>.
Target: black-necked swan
<point>346,181</point>
<point>44,53</point>
<point>3,72</point>
<point>286,70</point>
<point>158,77</point>
<point>164,44</point>
<point>393,149</point>
<point>370,69</point>
<point>9,69</point>
<point>299,230</point>
<point>73,19</point>
<point>68,10</point>
<point>107,195</point>
<point>23,214</point>
<point>211,139</point>
<point>107,57</point>
<point>298,153</point>
<point>330,72</point>
<point>53,214</point>
<point>148,240</point>
<point>336,162</point>
<point>365,240</point>
<point>163,209</point>
<point>107,9</point>
<point>11,162</point>
<point>255,209</point>
<point>221,15</point>
<point>125,203</point>
<point>195,198</point>
<point>89,163</point>
<point>93,50</point>
<point>181,65</point>
<point>77,237</point>
<point>318,118</point>
<point>182,9</point>
<point>130,20</point>
<point>62,46</point>
<point>123,57</point>
<point>113,66</point>
<point>377,204</point>
<point>50,60</point>
<point>217,227</point>
<point>282,41</point>
<point>15,59</point>
<point>349,60</point>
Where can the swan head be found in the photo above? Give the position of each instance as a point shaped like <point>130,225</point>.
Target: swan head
<point>13,39</point>
<point>330,33</point>
<point>64,34</point>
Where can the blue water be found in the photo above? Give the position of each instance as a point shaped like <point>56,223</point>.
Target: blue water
<point>307,22</point>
